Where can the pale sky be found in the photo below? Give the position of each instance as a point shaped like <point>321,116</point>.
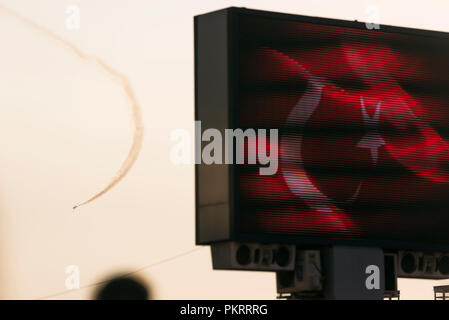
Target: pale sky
<point>65,128</point>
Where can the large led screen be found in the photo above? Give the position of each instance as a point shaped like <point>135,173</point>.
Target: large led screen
<point>363,120</point>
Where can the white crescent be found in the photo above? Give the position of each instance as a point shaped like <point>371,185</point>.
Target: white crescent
<point>293,170</point>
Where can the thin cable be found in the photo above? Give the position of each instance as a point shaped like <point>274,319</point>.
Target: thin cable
<point>124,275</point>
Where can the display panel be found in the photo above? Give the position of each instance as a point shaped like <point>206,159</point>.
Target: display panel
<point>363,121</point>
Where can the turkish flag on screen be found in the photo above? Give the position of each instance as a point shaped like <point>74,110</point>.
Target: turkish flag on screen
<point>374,124</point>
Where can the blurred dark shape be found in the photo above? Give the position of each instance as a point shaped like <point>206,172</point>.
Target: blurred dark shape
<point>123,288</point>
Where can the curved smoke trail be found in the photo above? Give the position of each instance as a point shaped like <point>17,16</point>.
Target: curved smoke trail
<point>123,81</point>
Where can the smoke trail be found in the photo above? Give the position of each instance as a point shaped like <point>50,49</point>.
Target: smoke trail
<point>121,79</point>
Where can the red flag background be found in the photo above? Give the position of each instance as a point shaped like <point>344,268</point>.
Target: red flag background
<point>392,186</point>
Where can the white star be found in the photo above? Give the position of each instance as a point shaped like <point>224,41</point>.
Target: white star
<point>372,140</point>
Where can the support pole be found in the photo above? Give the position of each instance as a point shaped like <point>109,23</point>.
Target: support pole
<point>353,273</point>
